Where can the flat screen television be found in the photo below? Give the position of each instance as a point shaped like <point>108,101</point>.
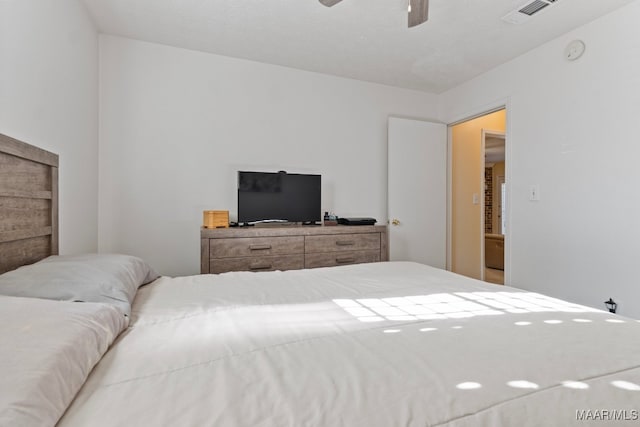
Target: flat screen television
<point>278,196</point>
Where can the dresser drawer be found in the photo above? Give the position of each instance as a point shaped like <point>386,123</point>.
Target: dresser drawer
<point>262,263</point>
<point>342,242</point>
<point>330,259</point>
<point>255,246</point>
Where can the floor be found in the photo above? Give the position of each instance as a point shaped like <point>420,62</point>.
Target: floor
<point>492,275</point>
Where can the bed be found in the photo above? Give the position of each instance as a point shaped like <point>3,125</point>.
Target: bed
<point>382,344</point>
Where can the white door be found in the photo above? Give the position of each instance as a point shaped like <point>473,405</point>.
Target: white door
<point>417,191</point>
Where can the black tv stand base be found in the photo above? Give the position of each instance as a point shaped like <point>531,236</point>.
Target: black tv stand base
<point>274,224</point>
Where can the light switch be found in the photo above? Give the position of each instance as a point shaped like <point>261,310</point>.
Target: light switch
<point>534,192</point>
<point>476,199</point>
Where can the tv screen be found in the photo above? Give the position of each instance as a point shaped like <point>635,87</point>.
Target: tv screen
<point>268,196</point>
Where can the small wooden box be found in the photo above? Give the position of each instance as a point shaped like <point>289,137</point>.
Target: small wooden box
<point>215,219</point>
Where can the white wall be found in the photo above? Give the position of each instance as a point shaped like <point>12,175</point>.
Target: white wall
<point>176,126</point>
<point>49,98</point>
<point>572,129</point>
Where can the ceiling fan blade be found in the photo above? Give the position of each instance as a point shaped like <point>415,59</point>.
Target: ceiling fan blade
<point>418,12</point>
<point>329,3</point>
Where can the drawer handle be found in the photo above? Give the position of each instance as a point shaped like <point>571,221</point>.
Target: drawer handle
<point>345,259</point>
<point>345,242</point>
<point>260,267</point>
<point>259,247</point>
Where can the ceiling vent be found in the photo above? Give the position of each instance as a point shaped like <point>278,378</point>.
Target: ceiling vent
<point>526,11</point>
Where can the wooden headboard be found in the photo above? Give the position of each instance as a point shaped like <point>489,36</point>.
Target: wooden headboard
<point>28,203</point>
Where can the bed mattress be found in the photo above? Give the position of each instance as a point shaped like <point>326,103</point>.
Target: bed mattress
<point>385,344</point>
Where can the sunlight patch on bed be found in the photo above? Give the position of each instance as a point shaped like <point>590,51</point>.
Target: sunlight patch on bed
<point>469,386</point>
<point>461,315</point>
<point>615,321</point>
<point>388,311</point>
<point>391,331</point>
<point>431,316</point>
<point>522,384</point>
<point>457,305</point>
<point>626,385</point>
<point>577,385</point>
<point>359,311</point>
<point>553,321</point>
<point>582,320</point>
<point>344,303</point>
<point>371,319</point>
<point>372,302</point>
<point>523,323</point>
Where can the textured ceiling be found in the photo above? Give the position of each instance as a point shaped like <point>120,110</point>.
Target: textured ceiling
<point>360,39</point>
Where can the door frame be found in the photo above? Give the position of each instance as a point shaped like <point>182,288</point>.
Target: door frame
<point>460,118</point>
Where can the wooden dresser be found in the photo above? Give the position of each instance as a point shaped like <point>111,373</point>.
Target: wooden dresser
<point>290,247</point>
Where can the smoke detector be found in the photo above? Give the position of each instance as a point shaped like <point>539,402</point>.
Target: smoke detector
<point>574,50</point>
<point>527,10</point>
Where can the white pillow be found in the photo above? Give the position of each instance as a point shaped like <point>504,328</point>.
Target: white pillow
<point>107,278</point>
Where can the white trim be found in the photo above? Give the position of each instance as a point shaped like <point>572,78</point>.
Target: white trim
<point>483,110</point>
<point>449,197</point>
<point>482,204</point>
<point>509,195</point>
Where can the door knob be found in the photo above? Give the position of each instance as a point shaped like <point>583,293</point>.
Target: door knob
<point>395,221</point>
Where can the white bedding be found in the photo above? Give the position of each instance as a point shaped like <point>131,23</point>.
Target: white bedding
<point>47,349</point>
<point>277,349</point>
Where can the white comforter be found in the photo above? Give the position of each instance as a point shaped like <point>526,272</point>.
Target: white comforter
<point>47,349</point>
<point>326,347</point>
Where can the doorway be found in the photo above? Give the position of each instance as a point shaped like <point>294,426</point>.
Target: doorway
<point>476,197</point>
